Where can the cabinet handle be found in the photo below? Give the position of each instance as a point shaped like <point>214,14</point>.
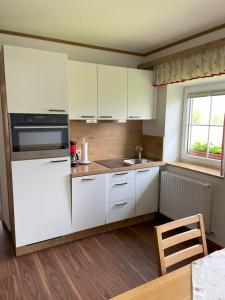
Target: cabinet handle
<point>105,117</point>
<point>120,174</point>
<point>143,171</point>
<point>58,161</point>
<point>120,184</point>
<point>88,179</point>
<point>120,205</point>
<point>87,117</point>
<point>57,110</point>
<point>134,117</point>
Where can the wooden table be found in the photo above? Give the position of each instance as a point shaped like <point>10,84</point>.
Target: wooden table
<point>172,286</point>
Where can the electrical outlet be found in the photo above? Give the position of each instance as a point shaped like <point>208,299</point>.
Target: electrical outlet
<point>79,152</point>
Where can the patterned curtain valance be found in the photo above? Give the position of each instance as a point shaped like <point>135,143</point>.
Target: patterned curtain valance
<point>208,63</point>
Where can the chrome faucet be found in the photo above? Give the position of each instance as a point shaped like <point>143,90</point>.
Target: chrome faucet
<point>139,148</point>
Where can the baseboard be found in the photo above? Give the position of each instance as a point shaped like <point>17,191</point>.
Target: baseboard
<point>82,234</point>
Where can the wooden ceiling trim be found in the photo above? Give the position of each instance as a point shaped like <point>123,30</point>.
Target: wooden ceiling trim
<point>181,54</point>
<point>189,38</point>
<point>60,41</point>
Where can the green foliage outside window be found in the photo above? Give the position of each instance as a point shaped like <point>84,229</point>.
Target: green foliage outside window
<point>202,147</point>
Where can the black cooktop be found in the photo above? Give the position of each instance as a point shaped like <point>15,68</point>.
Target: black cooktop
<point>112,163</point>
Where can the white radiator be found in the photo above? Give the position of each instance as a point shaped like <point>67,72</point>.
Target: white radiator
<point>182,197</point>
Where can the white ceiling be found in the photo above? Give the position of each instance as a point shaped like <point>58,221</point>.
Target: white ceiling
<point>134,25</point>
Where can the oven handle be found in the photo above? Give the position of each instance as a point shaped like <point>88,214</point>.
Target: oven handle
<point>38,127</point>
<point>57,110</point>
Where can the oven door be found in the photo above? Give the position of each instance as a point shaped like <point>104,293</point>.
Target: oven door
<point>31,142</point>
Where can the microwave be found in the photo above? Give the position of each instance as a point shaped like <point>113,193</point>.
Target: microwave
<point>35,136</point>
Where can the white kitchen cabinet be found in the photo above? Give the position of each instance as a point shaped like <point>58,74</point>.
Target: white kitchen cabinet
<point>120,190</point>
<point>121,175</point>
<point>82,90</point>
<point>42,199</point>
<point>140,95</point>
<point>112,93</point>
<point>36,80</point>
<point>88,202</point>
<point>120,196</point>
<point>120,210</point>
<point>147,186</point>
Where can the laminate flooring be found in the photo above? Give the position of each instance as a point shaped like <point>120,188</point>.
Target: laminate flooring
<point>97,267</point>
<point>93,268</point>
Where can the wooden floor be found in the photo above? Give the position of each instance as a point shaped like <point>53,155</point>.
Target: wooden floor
<point>93,268</point>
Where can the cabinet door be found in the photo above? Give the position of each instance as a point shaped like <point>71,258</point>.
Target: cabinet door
<point>140,94</point>
<point>112,93</point>
<point>88,202</point>
<point>36,80</point>
<point>42,199</point>
<point>147,186</point>
<point>82,84</point>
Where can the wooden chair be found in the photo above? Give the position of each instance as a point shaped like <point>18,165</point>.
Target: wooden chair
<point>162,244</point>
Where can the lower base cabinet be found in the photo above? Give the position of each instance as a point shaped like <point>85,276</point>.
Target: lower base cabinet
<point>107,198</point>
<point>42,202</point>
<point>120,196</point>
<point>88,202</point>
<point>147,190</point>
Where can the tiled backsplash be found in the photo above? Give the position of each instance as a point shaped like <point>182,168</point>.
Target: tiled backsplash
<point>112,140</point>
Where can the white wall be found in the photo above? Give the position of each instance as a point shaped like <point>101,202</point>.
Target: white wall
<point>186,45</point>
<point>173,123</point>
<point>157,127</point>
<point>172,146</point>
<point>75,52</point>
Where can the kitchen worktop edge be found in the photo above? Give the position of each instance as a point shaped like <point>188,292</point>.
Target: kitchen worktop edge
<point>94,168</point>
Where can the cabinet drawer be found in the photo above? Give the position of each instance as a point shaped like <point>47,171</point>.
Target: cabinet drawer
<point>120,190</point>
<point>120,210</point>
<point>123,175</point>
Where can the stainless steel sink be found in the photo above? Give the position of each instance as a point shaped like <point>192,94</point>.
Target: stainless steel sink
<point>137,161</point>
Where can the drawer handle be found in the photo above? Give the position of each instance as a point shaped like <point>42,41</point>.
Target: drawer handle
<point>143,171</point>
<point>120,184</point>
<point>57,110</point>
<point>88,179</point>
<point>58,161</point>
<point>134,117</point>
<point>87,117</point>
<point>120,174</point>
<point>105,117</point>
<point>120,205</point>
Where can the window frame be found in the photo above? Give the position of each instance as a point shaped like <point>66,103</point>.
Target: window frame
<point>209,162</point>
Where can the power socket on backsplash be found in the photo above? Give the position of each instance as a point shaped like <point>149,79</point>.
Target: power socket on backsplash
<point>79,153</point>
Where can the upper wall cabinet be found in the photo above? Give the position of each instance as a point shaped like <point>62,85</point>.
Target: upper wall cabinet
<point>82,84</point>
<point>112,93</point>
<point>36,80</point>
<point>140,95</point>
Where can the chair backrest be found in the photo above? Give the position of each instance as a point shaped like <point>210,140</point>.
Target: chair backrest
<point>162,244</point>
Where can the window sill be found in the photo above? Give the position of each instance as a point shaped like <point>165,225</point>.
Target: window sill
<point>200,169</point>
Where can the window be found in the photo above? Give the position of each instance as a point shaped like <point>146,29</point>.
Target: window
<point>203,130</point>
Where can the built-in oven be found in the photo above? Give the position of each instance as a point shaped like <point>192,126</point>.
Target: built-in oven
<point>38,136</point>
